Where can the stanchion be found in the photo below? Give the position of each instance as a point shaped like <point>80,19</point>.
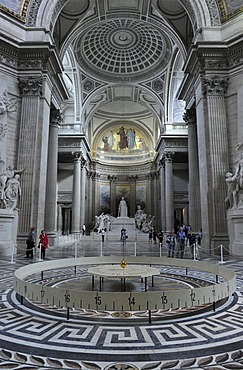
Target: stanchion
<point>221,254</point>
<point>12,253</point>
<point>101,247</point>
<point>76,249</point>
<point>40,253</point>
<point>194,252</point>
<point>135,249</point>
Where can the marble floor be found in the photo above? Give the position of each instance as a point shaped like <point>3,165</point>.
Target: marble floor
<point>36,336</point>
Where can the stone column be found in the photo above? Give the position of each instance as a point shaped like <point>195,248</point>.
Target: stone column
<point>132,206</point>
<point>169,193</point>
<point>76,193</point>
<point>162,194</point>
<point>51,194</point>
<point>97,195</point>
<point>155,200</point>
<point>194,186</point>
<point>82,194</point>
<point>90,192</point>
<point>215,88</point>
<point>112,180</point>
<point>149,205</point>
<point>32,152</point>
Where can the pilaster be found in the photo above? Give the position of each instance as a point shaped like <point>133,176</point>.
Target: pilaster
<point>82,194</point>
<point>169,193</point>
<point>194,186</point>
<point>132,180</point>
<point>76,198</point>
<point>162,194</point>
<point>112,180</point>
<point>51,195</point>
<point>32,151</point>
<point>215,89</point>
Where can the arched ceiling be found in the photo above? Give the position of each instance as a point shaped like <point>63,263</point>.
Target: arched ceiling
<point>123,59</point>
<point>125,53</point>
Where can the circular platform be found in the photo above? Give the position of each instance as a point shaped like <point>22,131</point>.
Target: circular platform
<point>130,271</point>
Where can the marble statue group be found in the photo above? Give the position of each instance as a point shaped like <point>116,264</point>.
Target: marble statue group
<point>10,190</point>
<point>143,221</point>
<point>103,222</point>
<point>234,198</point>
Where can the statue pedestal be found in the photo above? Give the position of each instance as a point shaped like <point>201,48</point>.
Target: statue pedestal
<point>235,229</point>
<point>8,231</point>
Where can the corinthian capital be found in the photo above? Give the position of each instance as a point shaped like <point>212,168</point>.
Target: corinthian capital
<point>31,86</point>
<point>190,116</point>
<point>169,156</point>
<point>56,116</point>
<point>215,85</point>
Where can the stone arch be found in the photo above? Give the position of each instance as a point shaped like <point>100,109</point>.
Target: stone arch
<point>44,13</point>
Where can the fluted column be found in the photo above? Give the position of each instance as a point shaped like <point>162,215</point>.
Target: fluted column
<point>32,152</point>
<point>76,193</point>
<point>215,88</point>
<point>194,187</point>
<point>169,193</point>
<point>162,194</point>
<point>112,180</point>
<point>155,200</point>
<point>149,204</point>
<point>133,197</point>
<point>82,194</point>
<point>51,195</point>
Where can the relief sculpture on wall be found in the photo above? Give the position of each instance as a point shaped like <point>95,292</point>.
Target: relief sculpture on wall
<point>234,181</point>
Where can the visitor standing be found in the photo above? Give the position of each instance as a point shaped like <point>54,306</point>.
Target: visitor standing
<point>43,243</point>
<point>171,243</point>
<point>192,238</point>
<point>84,229</point>
<point>150,235</point>
<point>123,234</point>
<point>30,243</point>
<point>103,235</point>
<point>180,237</point>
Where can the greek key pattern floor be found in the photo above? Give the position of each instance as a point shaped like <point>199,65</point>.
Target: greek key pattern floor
<point>34,337</point>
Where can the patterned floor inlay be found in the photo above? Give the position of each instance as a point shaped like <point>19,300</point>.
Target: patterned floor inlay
<point>34,336</point>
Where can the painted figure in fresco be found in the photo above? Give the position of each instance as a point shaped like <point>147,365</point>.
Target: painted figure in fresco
<point>131,138</point>
<point>123,142</point>
<point>106,143</point>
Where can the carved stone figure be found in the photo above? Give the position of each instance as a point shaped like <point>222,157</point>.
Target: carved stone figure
<point>103,222</point>
<point>13,192</point>
<point>122,209</point>
<point>10,189</point>
<point>3,181</point>
<point>232,191</point>
<point>139,217</point>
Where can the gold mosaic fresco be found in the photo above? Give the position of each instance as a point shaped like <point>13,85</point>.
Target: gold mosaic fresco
<point>17,8</point>
<point>230,8</point>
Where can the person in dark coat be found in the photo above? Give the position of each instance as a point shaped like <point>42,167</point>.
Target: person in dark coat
<point>30,242</point>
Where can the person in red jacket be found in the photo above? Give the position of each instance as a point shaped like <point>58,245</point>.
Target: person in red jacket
<point>43,243</point>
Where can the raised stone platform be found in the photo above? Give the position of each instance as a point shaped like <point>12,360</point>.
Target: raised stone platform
<point>123,222</point>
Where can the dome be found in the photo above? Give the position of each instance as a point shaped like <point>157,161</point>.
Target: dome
<point>123,48</point>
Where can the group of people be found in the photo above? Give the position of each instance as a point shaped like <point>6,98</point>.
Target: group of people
<point>177,241</point>
<point>43,243</point>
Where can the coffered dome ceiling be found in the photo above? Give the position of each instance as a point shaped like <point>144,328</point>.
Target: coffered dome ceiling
<point>123,47</point>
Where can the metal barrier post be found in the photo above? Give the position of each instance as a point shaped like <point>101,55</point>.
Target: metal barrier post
<point>12,253</point>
